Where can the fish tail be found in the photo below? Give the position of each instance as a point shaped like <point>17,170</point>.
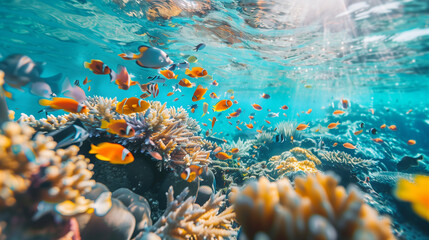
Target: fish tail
<point>87,65</point>
<point>45,102</point>
<point>187,71</point>
<point>94,149</point>
<point>203,114</point>
<point>133,83</point>
<point>175,77</point>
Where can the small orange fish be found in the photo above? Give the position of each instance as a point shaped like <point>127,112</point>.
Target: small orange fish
<point>236,113</point>
<point>213,122</point>
<point>205,124</point>
<point>230,123</point>
<point>291,139</point>
<point>222,105</point>
<point>213,95</point>
<point>191,173</point>
<point>97,67</point>
<point>309,111</point>
<point>265,96</point>
<point>383,126</point>
<point>284,107</point>
<point>193,110</point>
<point>411,142</point>
<point>208,133</point>
<point>199,93</point>
<point>176,99</point>
<point>119,127</point>
<point>372,111</point>
<point>239,129</point>
<point>302,126</point>
<point>378,140</point>
<point>224,140</point>
<point>89,88</point>
<point>196,72</point>
<point>333,125</point>
<point>170,93</point>
<point>249,126</point>
<point>358,132</point>
<point>86,81</point>
<point>66,104</point>
<point>123,79</point>
<point>259,131</point>
<point>267,121</point>
<point>255,147</point>
<point>338,112</point>
<point>112,152</point>
<point>144,95</point>
<point>251,117</point>
<point>335,144</point>
<point>284,114</point>
<point>349,146</point>
<point>214,83</point>
<point>228,117</point>
<point>297,114</point>
<point>186,83</point>
<point>232,97</point>
<point>168,74</point>
<point>256,107</point>
<point>317,130</point>
<point>235,102</point>
<point>235,150</point>
<point>409,111</point>
<point>223,156</point>
<point>345,103</point>
<point>393,127</point>
<point>132,105</point>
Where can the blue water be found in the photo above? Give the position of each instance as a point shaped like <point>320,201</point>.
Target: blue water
<point>373,53</point>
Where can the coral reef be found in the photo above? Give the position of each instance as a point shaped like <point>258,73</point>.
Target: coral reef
<point>341,161</point>
<point>184,220</point>
<point>316,209</point>
<point>264,138</point>
<point>243,146</point>
<point>167,131</point>
<point>296,159</point>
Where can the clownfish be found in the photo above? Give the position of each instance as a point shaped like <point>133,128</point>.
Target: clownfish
<point>112,152</point>
<point>196,72</point>
<point>119,127</point>
<point>132,105</point>
<point>66,104</point>
<point>191,173</point>
<point>222,105</point>
<point>97,67</point>
<point>199,93</point>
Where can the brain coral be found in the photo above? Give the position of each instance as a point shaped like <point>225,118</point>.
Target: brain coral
<point>316,209</point>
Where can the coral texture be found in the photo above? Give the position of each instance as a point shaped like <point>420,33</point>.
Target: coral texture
<point>316,209</point>
<point>340,160</point>
<point>183,219</point>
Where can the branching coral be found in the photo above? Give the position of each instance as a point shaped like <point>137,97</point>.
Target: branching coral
<point>185,220</point>
<point>264,138</point>
<point>32,168</point>
<point>316,209</point>
<point>340,160</point>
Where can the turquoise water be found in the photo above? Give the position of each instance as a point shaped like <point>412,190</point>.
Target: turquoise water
<point>304,54</point>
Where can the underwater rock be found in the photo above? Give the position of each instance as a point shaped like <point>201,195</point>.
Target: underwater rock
<point>385,182</point>
<point>204,193</point>
<point>308,143</point>
<point>178,185</point>
<point>137,205</point>
<point>118,223</point>
<point>96,190</point>
<point>207,178</point>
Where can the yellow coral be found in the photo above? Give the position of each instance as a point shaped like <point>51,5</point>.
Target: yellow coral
<point>306,153</point>
<point>417,193</point>
<point>317,209</point>
<point>291,164</point>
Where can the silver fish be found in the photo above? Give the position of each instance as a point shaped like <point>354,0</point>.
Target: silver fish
<point>272,114</point>
<point>74,134</point>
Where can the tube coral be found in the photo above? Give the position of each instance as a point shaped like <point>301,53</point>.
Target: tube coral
<point>316,209</point>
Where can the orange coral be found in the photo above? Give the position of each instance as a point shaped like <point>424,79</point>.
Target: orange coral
<point>316,209</point>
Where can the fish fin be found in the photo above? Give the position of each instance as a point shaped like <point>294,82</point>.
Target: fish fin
<point>175,77</point>
<point>39,67</point>
<point>143,49</point>
<point>187,71</point>
<point>420,157</point>
<point>103,204</point>
<point>125,56</point>
<point>54,82</point>
<point>203,114</point>
<point>94,149</point>
<point>112,75</point>
<point>133,83</point>
<point>104,124</point>
<point>45,102</point>
<point>102,157</point>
